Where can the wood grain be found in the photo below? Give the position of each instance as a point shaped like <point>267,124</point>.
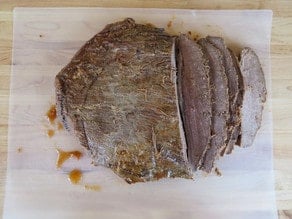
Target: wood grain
<point>281,54</point>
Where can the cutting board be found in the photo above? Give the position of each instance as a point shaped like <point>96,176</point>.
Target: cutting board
<point>44,41</point>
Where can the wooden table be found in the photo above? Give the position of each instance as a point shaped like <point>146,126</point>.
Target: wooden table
<point>281,59</point>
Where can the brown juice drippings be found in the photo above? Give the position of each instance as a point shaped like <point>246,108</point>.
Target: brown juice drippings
<point>50,133</point>
<point>93,187</point>
<point>75,176</point>
<point>52,114</point>
<point>65,155</point>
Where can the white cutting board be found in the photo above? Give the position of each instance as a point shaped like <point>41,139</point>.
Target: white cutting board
<point>44,41</point>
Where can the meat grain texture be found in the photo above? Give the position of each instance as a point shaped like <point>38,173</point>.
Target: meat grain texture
<point>219,103</point>
<point>136,113</point>
<point>118,96</point>
<point>195,99</point>
<point>235,92</point>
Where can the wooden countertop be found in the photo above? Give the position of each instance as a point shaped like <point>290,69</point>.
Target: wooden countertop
<point>281,60</point>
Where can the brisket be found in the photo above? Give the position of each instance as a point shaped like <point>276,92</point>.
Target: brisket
<point>150,105</point>
<point>254,96</point>
<point>118,96</point>
<point>219,103</point>
<point>195,98</point>
<point>234,79</point>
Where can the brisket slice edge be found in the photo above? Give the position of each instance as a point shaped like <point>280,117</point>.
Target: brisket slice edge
<point>195,98</point>
<point>254,96</point>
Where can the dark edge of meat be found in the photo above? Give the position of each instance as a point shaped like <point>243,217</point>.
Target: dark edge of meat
<point>75,124</point>
<point>179,68</point>
<point>176,64</point>
<point>254,96</point>
<point>235,137</point>
<point>219,101</point>
<point>195,100</point>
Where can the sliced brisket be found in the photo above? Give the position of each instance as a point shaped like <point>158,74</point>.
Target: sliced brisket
<point>195,98</point>
<point>235,137</point>
<point>254,96</point>
<point>219,103</point>
<point>136,113</point>
<point>234,79</point>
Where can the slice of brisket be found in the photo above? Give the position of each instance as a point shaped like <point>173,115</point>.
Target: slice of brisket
<point>254,96</point>
<point>235,91</point>
<point>219,103</point>
<point>195,98</point>
<point>235,137</point>
<point>118,96</point>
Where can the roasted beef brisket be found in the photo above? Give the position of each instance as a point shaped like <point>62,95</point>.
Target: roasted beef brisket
<point>118,96</point>
<point>151,105</point>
